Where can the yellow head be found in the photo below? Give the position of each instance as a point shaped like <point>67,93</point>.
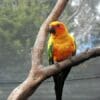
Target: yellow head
<point>57,28</point>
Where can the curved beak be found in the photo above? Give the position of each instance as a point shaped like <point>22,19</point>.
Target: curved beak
<point>51,29</point>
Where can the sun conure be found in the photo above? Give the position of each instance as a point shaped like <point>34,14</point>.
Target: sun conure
<point>61,45</point>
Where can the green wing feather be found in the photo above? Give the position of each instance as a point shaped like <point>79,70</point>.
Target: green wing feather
<point>50,50</point>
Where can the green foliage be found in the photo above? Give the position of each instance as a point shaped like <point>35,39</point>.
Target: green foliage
<point>20,21</point>
<point>19,24</point>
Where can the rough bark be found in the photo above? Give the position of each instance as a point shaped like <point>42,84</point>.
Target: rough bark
<point>71,62</point>
<point>38,72</point>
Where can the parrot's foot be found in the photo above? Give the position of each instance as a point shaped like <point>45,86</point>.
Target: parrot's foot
<point>70,58</point>
<point>56,63</point>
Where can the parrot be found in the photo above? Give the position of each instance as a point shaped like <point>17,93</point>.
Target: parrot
<point>61,45</point>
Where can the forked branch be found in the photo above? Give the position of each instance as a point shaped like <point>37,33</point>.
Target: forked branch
<point>42,35</point>
<point>36,75</point>
<point>38,72</point>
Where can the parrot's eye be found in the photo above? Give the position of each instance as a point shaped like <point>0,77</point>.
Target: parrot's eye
<point>58,25</point>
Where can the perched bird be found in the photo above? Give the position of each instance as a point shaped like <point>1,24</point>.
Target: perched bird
<point>61,45</point>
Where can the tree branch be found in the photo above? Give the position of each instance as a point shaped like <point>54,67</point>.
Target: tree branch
<point>71,62</point>
<point>36,75</point>
<point>41,37</point>
<point>30,85</point>
<point>38,72</point>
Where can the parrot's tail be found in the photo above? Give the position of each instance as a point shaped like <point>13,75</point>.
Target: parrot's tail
<point>59,80</point>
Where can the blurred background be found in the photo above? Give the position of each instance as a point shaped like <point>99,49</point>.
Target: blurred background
<point>20,21</point>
